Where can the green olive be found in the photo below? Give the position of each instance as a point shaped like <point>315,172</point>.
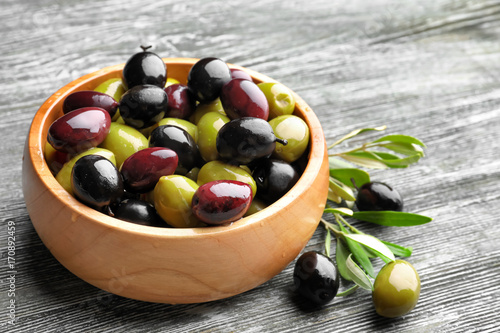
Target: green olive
<point>193,174</point>
<point>170,81</point>
<point>114,88</point>
<point>294,130</point>
<point>202,108</point>
<point>255,206</point>
<point>218,170</point>
<point>208,127</point>
<point>172,199</point>
<point>123,141</point>
<point>396,289</point>
<point>64,175</point>
<point>281,100</point>
<point>189,127</point>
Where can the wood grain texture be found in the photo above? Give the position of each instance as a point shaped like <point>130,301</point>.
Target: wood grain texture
<point>425,68</point>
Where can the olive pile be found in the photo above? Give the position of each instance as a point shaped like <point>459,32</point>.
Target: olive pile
<point>147,149</point>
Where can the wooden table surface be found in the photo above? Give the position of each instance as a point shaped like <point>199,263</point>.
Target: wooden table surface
<point>430,69</point>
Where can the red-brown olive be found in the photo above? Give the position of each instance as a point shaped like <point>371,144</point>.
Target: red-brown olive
<point>181,101</point>
<point>221,201</point>
<point>79,130</point>
<point>142,170</point>
<point>90,98</point>
<point>243,98</point>
<point>316,277</point>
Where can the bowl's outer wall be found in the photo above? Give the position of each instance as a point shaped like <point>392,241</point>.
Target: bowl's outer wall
<point>170,265</point>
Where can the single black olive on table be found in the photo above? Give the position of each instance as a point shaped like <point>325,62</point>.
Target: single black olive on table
<point>145,68</point>
<point>316,277</point>
<point>96,182</point>
<point>377,196</point>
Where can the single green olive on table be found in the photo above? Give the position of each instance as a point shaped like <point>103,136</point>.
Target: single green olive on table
<point>396,289</point>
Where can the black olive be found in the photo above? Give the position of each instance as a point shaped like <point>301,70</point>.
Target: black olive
<point>377,196</point>
<point>206,78</point>
<point>138,211</point>
<point>143,106</point>
<point>274,178</point>
<point>316,277</point>
<point>96,182</point>
<point>145,68</point>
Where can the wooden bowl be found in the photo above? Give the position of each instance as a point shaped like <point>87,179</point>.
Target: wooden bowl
<point>170,265</point>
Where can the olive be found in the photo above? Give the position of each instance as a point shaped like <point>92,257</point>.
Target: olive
<point>377,196</point>
<point>145,68</point>
<point>202,108</point>
<point>243,98</point>
<point>316,277</point>
<point>143,106</point>
<point>88,98</point>
<point>208,127</point>
<point>123,141</point>
<point>274,178</point>
<point>255,206</point>
<point>295,131</point>
<point>181,142</point>
<point>55,159</point>
<point>218,170</point>
<point>173,196</point>
<point>244,140</point>
<point>64,175</point>
<point>139,212</point>
<point>181,101</point>
<point>206,78</point>
<point>189,127</point>
<point>240,74</point>
<point>142,170</point>
<point>96,182</point>
<point>221,201</point>
<point>281,100</point>
<point>113,87</point>
<point>396,289</point>
<point>79,130</point>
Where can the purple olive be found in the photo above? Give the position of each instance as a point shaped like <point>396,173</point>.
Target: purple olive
<point>240,74</point>
<point>79,130</point>
<point>181,101</point>
<point>221,201</point>
<point>142,170</point>
<point>90,98</point>
<point>242,98</point>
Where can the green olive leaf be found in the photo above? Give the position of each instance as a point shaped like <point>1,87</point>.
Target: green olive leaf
<point>359,253</point>
<point>347,292</point>
<point>339,210</point>
<point>366,161</point>
<point>348,175</point>
<point>341,254</point>
<point>380,249</point>
<point>391,218</point>
<point>341,190</point>
<point>400,138</point>
<point>357,275</point>
<point>337,163</point>
<point>387,159</point>
<point>356,132</point>
<point>328,242</point>
<point>405,148</point>
<point>398,250</point>
<point>332,196</point>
